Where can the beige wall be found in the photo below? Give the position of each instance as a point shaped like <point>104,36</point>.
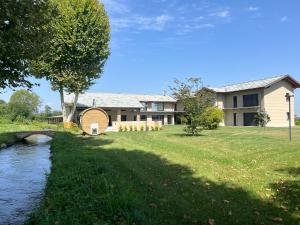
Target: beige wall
<point>229,97</point>
<point>228,114</point>
<point>276,104</point>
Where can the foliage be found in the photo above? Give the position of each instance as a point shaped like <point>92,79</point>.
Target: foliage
<point>135,128</point>
<point>120,128</point>
<point>23,104</point>
<point>142,128</point>
<point>47,112</point>
<point>78,51</point>
<point>211,118</point>
<point>233,175</point>
<point>125,128</point>
<point>195,100</point>
<point>3,108</point>
<point>23,35</point>
<point>297,122</point>
<point>262,119</point>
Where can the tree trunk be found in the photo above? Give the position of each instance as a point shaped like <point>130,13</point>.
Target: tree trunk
<point>72,112</point>
<point>62,104</point>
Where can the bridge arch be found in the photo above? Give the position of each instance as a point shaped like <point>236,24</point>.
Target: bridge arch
<point>25,134</point>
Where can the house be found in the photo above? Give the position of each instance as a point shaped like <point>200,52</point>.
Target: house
<point>129,109</point>
<point>240,102</point>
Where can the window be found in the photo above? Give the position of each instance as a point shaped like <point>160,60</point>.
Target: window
<point>134,118</point>
<point>249,119</point>
<point>175,107</point>
<point>250,100</point>
<point>234,101</point>
<point>123,118</point>
<point>157,117</point>
<point>157,106</point>
<point>143,117</point>
<point>288,115</point>
<point>144,106</point>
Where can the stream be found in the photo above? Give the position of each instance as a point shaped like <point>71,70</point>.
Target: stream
<point>23,170</point>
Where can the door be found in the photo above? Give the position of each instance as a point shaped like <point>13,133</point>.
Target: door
<point>234,119</point>
<point>109,121</point>
<point>249,119</point>
<point>94,128</point>
<point>169,119</point>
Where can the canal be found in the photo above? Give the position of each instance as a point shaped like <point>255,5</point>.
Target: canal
<point>23,171</point>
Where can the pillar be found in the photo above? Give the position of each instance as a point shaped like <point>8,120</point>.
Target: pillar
<point>118,115</point>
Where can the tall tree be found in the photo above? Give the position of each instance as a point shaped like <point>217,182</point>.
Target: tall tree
<point>23,103</point>
<point>78,50</point>
<point>195,100</point>
<point>23,33</point>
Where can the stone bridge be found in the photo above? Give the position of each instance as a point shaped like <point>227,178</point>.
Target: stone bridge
<point>24,134</point>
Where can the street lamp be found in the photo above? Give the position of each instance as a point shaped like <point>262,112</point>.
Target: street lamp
<point>288,98</point>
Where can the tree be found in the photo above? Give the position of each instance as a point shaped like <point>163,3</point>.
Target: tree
<point>23,34</point>
<point>47,110</point>
<point>78,51</point>
<point>195,100</point>
<point>262,119</point>
<point>3,108</point>
<point>211,118</point>
<point>23,103</point>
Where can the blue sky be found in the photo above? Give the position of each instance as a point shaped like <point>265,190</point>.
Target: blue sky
<point>155,41</point>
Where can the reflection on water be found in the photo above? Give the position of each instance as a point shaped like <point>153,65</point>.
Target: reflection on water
<point>23,169</point>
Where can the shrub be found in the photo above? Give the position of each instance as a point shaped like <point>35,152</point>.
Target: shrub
<point>156,128</point>
<point>142,128</point>
<point>130,128</point>
<point>120,128</point>
<point>152,128</point>
<point>211,118</point>
<point>22,120</point>
<point>147,128</point>
<point>297,122</point>
<point>262,118</point>
<point>125,128</point>
<point>135,128</point>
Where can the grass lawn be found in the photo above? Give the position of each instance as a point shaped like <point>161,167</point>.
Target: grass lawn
<point>229,176</point>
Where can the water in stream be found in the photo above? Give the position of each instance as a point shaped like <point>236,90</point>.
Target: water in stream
<point>23,169</point>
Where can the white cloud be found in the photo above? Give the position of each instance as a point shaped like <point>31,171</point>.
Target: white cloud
<point>252,8</point>
<point>284,19</point>
<point>157,23</point>
<point>222,14</point>
<point>114,6</point>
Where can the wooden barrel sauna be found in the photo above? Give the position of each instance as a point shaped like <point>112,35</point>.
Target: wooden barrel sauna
<point>94,121</point>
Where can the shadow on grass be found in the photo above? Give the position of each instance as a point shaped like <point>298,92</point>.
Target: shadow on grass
<point>288,191</point>
<point>93,183</point>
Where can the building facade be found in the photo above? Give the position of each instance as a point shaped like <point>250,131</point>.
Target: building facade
<point>131,109</point>
<point>241,102</point>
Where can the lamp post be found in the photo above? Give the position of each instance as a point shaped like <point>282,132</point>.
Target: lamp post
<point>288,98</point>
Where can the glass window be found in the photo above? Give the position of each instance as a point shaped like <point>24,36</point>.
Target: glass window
<point>157,117</point>
<point>144,106</point>
<point>123,118</point>
<point>234,101</point>
<point>157,106</point>
<point>143,117</point>
<point>250,100</point>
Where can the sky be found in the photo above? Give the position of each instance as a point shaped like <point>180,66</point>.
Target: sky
<point>221,41</point>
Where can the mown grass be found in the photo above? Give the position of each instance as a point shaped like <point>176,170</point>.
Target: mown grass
<point>297,122</point>
<point>229,176</point>
<point>8,130</point>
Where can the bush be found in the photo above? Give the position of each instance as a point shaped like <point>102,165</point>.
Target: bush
<point>156,128</point>
<point>22,120</point>
<point>135,128</point>
<point>130,128</point>
<point>120,128</point>
<point>262,118</point>
<point>142,128</point>
<point>125,128</point>
<point>297,122</point>
<point>211,118</point>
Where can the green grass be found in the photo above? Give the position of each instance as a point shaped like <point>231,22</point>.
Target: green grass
<point>232,176</point>
<point>297,122</point>
<point>7,130</point>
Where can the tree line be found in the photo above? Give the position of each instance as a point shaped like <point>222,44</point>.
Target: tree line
<point>24,106</point>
